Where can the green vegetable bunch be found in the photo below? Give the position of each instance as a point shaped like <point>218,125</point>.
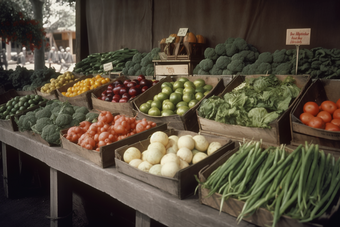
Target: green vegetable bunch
<point>255,103</point>
<point>227,58</point>
<point>301,185</point>
<point>55,116</point>
<point>141,63</point>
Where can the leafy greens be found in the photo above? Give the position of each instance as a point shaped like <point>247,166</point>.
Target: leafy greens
<point>256,103</point>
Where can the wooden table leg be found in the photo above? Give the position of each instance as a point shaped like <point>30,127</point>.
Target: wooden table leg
<point>60,199</point>
<point>142,220</point>
<point>10,165</point>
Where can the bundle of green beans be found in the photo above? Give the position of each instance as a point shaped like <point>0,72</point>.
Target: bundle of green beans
<point>301,184</point>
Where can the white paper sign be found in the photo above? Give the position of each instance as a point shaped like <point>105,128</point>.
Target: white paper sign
<point>299,36</point>
<point>108,66</point>
<point>182,31</point>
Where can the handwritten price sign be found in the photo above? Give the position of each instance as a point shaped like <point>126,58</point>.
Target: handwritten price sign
<point>298,36</point>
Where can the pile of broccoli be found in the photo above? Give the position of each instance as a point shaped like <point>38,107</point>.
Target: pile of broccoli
<point>235,56</point>
<point>55,116</point>
<point>27,80</point>
<point>227,58</point>
<point>141,64</point>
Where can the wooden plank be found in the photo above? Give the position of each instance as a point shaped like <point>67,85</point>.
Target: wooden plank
<point>142,220</point>
<point>60,199</point>
<point>132,192</point>
<point>171,70</point>
<point>10,165</point>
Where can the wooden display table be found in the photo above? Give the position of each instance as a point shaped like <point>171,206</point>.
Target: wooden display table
<point>148,201</point>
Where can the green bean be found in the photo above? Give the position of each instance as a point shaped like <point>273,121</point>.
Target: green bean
<point>277,209</point>
<point>310,174</point>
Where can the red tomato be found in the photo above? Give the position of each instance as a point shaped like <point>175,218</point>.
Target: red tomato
<point>316,122</point>
<point>306,117</point>
<point>336,114</point>
<point>329,106</point>
<point>338,103</point>
<point>325,116</point>
<point>336,122</point>
<point>331,127</point>
<point>311,107</point>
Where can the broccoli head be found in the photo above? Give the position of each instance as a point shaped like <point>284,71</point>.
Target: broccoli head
<point>248,55</point>
<point>146,60</point>
<point>227,72</point>
<point>150,71</point>
<point>51,133</point>
<point>40,124</point>
<point>63,120</point>
<point>137,66</point>
<point>143,70</point>
<point>26,121</point>
<point>265,57</point>
<point>220,49</point>
<point>131,71</point>
<point>210,53</point>
<point>91,116</point>
<point>138,72</point>
<point>137,58</point>
<point>230,49</point>
<point>241,44</point>
<point>206,64</point>
<point>129,64</point>
<point>215,71</point>
<point>283,68</point>
<point>222,62</point>
<point>279,56</point>
<point>79,116</point>
<point>264,68</point>
<point>202,72</point>
<point>81,109</point>
<point>230,40</point>
<point>237,56</point>
<point>235,66</point>
<point>196,69</point>
<point>45,112</point>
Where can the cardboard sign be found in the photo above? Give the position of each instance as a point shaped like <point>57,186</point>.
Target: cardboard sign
<point>108,66</point>
<point>182,31</point>
<point>299,36</point>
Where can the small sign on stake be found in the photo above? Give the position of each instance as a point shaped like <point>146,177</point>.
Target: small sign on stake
<point>297,37</point>
<point>108,66</point>
<point>182,31</point>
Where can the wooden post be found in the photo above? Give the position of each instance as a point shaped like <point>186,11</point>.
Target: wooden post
<point>142,220</point>
<point>60,199</point>
<point>10,165</point>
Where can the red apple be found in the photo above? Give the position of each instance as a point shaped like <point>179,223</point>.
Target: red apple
<point>110,87</point>
<point>117,82</point>
<point>133,91</point>
<point>104,92</point>
<point>104,97</point>
<point>109,92</point>
<point>136,81</point>
<point>123,90</point>
<point>108,99</point>
<point>132,97</point>
<point>145,82</point>
<point>113,100</point>
<point>125,95</point>
<point>145,88</point>
<point>140,77</point>
<point>154,82</point>
<point>126,81</point>
<point>123,100</point>
<point>116,90</point>
<point>116,98</point>
<point>131,84</point>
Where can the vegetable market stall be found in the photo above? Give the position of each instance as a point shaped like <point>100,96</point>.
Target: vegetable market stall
<point>165,208</point>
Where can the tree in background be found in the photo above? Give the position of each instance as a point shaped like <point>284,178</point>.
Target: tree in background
<point>44,12</point>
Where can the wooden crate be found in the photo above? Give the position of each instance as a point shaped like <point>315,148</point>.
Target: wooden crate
<point>106,156</point>
<point>174,67</point>
<point>122,108</point>
<point>183,184</point>
<point>8,95</point>
<point>319,91</point>
<point>54,94</point>
<point>11,124</point>
<point>189,120</point>
<point>280,128</point>
<point>261,217</point>
<point>83,99</point>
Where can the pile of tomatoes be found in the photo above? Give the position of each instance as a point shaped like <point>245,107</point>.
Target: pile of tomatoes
<point>326,116</point>
<point>85,85</point>
<point>108,129</point>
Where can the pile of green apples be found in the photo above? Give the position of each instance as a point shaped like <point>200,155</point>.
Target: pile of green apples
<point>176,97</point>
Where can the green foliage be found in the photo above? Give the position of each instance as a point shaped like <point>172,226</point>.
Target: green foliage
<point>40,124</point>
<point>51,133</point>
<point>254,103</point>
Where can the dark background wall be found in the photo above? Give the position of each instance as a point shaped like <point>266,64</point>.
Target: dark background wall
<point>141,24</point>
